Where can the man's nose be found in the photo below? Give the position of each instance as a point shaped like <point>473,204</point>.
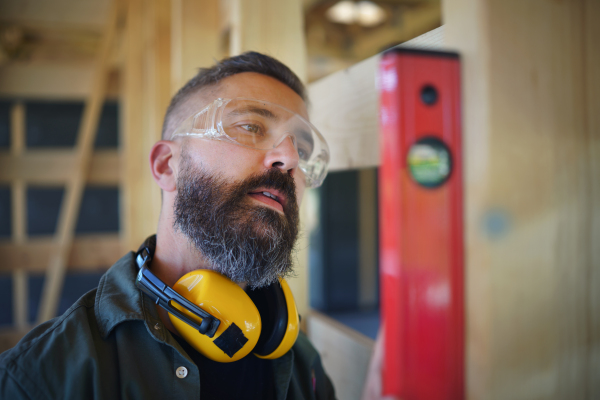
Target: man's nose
<point>284,156</point>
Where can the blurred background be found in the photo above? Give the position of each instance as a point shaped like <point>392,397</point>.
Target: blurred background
<point>83,90</point>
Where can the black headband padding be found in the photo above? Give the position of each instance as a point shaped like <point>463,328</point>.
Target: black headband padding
<point>272,307</point>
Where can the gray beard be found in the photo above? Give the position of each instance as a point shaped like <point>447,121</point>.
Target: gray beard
<point>242,240</point>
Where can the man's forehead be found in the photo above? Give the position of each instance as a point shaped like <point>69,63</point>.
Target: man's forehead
<point>248,85</point>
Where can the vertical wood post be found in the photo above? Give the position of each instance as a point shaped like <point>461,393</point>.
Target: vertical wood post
<point>19,218</point>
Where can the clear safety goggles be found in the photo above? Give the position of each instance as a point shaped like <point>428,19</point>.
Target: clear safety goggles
<point>261,125</point>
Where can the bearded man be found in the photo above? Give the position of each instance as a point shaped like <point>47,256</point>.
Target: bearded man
<point>236,155</point>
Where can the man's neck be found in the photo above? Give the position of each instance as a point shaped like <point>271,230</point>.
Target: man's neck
<point>174,257</point>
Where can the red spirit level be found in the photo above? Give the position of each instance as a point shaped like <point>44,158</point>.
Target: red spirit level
<point>421,225</point>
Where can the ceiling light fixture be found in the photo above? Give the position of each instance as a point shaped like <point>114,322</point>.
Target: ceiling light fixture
<point>365,13</point>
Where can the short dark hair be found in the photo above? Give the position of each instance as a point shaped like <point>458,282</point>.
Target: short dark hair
<point>250,61</point>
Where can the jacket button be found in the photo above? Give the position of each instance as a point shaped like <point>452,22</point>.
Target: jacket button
<point>181,372</point>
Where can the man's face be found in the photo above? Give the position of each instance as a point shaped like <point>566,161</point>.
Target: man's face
<point>220,205</point>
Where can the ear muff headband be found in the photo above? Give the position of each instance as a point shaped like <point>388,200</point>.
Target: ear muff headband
<point>216,317</point>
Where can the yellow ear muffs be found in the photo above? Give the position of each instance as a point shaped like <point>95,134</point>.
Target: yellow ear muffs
<point>240,325</point>
<point>280,320</point>
<point>265,320</point>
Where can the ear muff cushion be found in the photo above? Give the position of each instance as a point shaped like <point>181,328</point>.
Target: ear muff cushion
<point>272,306</point>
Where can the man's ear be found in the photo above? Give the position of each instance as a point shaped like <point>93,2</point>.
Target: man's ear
<point>162,158</point>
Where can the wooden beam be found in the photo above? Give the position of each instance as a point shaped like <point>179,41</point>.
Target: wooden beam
<point>345,354</point>
<point>74,190</point>
<point>531,138</point>
<point>19,217</point>
<point>49,81</point>
<point>415,21</point>
<point>52,167</point>
<point>88,252</point>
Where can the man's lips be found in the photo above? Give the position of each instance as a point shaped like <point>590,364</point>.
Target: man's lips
<point>270,197</point>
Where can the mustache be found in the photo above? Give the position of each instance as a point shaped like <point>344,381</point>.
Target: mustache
<point>271,179</point>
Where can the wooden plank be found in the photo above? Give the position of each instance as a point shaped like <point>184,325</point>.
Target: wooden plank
<point>345,108</point>
<point>344,352</point>
<point>52,167</point>
<point>19,218</point>
<point>531,171</point>
<point>74,190</point>
<point>89,252</point>
<point>49,81</point>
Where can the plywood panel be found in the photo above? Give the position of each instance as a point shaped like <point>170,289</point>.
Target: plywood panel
<point>345,354</point>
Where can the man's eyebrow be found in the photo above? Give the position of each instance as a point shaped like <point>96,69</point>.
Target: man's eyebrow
<point>263,112</point>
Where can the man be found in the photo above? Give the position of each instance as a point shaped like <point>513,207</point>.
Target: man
<point>236,155</point>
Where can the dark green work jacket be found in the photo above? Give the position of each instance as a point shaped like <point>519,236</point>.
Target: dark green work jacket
<point>111,344</point>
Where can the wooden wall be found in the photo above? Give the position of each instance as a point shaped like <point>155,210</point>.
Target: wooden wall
<point>531,144</point>
<point>532,141</point>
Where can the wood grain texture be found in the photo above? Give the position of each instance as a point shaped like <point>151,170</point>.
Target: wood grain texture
<point>344,352</point>
<point>530,211</point>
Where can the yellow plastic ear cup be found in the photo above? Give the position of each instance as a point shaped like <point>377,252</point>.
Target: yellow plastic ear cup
<point>293,325</point>
<point>240,320</point>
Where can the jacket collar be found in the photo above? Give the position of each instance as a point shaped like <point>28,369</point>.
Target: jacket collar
<point>119,300</point>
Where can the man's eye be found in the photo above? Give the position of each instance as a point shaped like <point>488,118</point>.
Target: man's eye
<point>303,153</point>
<point>252,128</point>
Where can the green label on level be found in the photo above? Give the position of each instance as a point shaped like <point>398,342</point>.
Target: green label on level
<point>429,162</point>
